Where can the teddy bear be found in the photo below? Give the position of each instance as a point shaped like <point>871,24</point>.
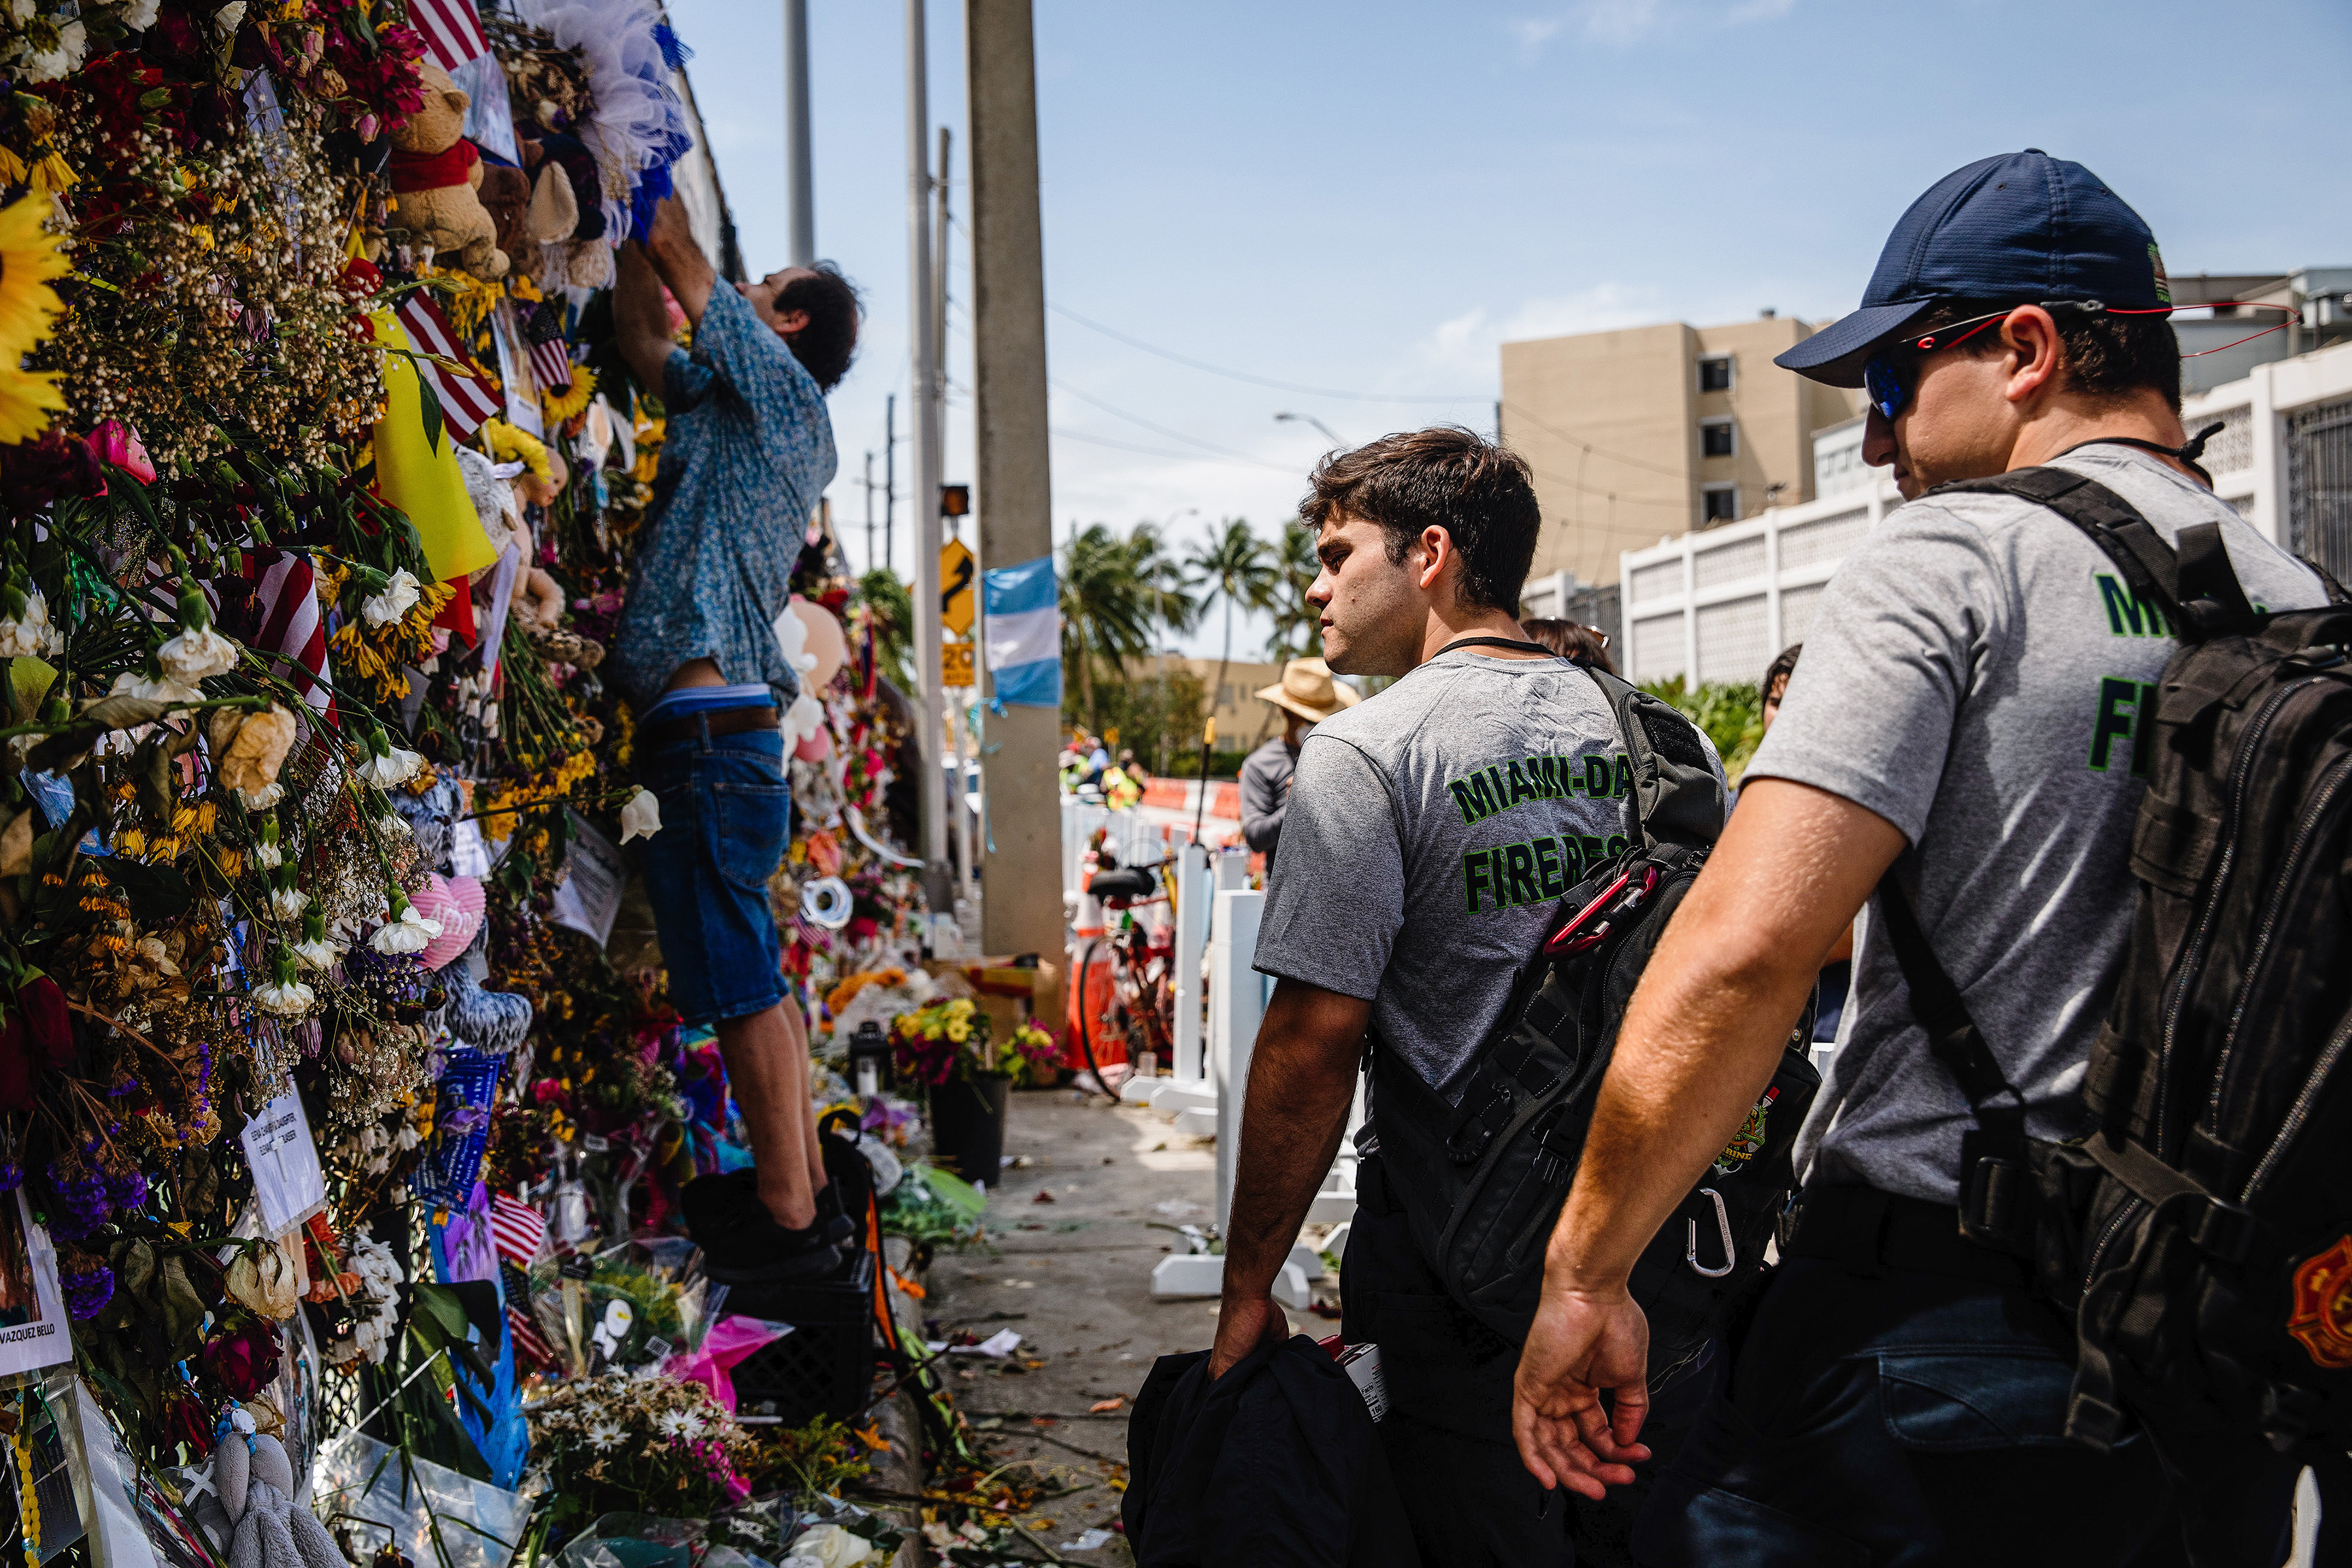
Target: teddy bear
<point>436,175</point>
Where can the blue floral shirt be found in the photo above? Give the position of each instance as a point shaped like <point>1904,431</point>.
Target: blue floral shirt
<point>748,451</point>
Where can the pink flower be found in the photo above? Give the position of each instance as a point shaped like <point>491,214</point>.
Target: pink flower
<point>117,443</point>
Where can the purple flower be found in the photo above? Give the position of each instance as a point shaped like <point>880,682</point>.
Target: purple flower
<point>128,1192</point>
<point>77,1206</point>
<point>86,1294</point>
<point>12,1175</point>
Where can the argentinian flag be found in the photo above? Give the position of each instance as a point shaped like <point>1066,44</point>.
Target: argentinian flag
<point>1023,629</point>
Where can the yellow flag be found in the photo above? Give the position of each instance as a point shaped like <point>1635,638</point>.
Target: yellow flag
<point>423,480</point>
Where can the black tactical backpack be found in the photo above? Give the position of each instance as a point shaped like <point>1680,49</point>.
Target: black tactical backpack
<point>1483,1183</point>
<point>2200,1231</point>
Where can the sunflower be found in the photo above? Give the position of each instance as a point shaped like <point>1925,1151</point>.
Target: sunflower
<point>559,406</point>
<point>29,258</point>
<point>28,398</point>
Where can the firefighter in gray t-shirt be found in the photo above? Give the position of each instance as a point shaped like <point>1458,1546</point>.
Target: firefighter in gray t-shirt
<point>1431,833</point>
<point>1969,711</point>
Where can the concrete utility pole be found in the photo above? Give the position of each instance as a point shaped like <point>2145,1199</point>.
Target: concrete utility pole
<point>1022,912</point>
<point>796,133</point>
<point>932,790</point>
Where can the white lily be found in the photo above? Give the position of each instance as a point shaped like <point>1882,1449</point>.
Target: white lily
<point>197,652</point>
<point>399,596</point>
<point>641,818</point>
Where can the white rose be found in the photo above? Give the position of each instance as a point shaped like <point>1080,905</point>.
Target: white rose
<point>269,857</point>
<point>262,799</point>
<point>140,15</point>
<point>409,933</point>
<point>225,19</point>
<point>641,818</point>
<point>197,652</point>
<point>157,689</point>
<point>289,903</point>
<point>398,597</point>
<point>292,1000</point>
<point>320,954</point>
<point>30,637</point>
<point>388,773</point>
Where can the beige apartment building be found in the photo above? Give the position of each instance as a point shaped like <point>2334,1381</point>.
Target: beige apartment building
<point>1651,431</point>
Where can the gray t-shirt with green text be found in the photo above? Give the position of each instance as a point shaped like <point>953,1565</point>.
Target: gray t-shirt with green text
<point>1978,674</point>
<point>1430,836</point>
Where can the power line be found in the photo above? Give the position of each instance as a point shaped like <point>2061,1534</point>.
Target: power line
<point>1146,451</point>
<point>1261,380</point>
<point>1510,409</point>
<point>1164,430</point>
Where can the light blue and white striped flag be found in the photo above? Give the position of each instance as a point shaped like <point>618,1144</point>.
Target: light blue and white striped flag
<point>1023,629</point>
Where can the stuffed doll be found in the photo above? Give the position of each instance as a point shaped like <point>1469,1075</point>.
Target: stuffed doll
<point>254,1479</point>
<point>436,174</point>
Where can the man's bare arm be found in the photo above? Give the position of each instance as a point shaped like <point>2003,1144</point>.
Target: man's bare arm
<point>679,261</point>
<point>1701,1039</point>
<point>639,319</point>
<point>1302,1078</point>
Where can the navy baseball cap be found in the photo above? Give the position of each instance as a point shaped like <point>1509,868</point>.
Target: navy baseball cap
<point>2024,226</point>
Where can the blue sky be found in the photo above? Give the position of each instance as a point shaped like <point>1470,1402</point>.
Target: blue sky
<point>1369,197</point>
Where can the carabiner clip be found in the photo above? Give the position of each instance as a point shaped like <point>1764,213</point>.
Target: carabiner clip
<point>1722,1224</point>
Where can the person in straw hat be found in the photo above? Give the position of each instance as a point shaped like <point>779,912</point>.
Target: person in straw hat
<point>1307,695</point>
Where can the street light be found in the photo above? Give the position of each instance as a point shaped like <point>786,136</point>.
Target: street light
<point>1328,434</point>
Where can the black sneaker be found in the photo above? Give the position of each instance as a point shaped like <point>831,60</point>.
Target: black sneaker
<point>741,1242</point>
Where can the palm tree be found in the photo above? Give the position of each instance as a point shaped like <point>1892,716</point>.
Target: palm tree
<point>1297,622</point>
<point>1106,613</point>
<point>1161,576</point>
<point>1235,566</point>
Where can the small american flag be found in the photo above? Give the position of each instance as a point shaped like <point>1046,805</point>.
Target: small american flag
<point>467,398</point>
<point>551,355</point>
<point>291,627</point>
<point>530,1346</point>
<point>452,29</point>
<point>519,1229</point>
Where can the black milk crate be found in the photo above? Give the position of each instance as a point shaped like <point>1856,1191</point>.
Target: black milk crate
<point>825,1365</point>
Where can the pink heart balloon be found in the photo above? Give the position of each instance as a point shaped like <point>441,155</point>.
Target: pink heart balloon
<point>816,748</point>
<point>456,903</point>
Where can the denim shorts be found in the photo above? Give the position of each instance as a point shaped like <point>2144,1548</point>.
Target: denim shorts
<point>726,815</point>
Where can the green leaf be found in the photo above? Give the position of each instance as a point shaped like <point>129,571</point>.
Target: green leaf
<point>428,405</point>
<point>444,1312</point>
<point>134,1266</point>
<point>183,1309</point>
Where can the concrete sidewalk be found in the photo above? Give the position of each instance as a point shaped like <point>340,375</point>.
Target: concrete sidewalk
<point>1072,1275</point>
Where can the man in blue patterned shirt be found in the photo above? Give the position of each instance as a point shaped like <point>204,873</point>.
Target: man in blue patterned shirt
<point>748,451</point>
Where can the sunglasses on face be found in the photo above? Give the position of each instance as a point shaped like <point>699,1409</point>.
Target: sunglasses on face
<point>1892,374</point>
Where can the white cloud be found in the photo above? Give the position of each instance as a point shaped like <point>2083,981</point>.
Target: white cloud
<point>1463,346</point>
<point>1620,23</point>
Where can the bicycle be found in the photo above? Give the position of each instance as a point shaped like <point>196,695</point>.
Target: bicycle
<point>1142,964</point>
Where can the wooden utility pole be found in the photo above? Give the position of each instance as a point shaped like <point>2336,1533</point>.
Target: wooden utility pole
<point>1022,909</point>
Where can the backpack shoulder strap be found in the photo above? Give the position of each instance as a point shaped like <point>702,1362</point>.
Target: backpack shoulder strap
<point>2194,585</point>
<point>1993,1172</point>
<point>1677,798</point>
